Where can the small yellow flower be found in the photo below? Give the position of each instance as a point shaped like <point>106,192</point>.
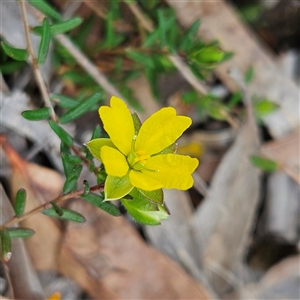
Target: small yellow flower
<point>139,157</point>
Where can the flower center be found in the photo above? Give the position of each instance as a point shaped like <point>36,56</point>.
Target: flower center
<point>137,160</point>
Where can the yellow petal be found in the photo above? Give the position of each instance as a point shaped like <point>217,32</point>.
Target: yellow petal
<point>118,124</point>
<point>114,161</point>
<point>55,296</point>
<point>143,181</point>
<point>161,130</point>
<point>95,145</point>
<point>175,171</point>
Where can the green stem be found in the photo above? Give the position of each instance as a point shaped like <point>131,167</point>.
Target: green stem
<point>58,200</point>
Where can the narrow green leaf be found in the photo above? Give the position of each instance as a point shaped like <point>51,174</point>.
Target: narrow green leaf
<point>97,201</point>
<point>80,109</point>
<point>15,53</point>
<point>265,164</point>
<point>66,25</point>
<point>19,232</point>
<point>12,66</point>
<point>97,132</point>
<point>68,214</point>
<point>140,58</point>
<point>44,43</point>
<point>70,185</point>
<point>57,208</point>
<point>37,114</point>
<point>136,122</point>
<point>71,182</point>
<point>234,99</point>
<point>20,202</point>
<point>249,75</point>
<point>5,245</point>
<point>162,28</point>
<point>153,37</point>
<point>46,9</point>
<point>64,101</point>
<point>61,133</point>
<point>188,39</point>
<point>60,27</point>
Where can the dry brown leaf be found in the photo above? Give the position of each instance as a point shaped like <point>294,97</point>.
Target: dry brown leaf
<point>107,257</point>
<point>286,152</point>
<point>220,22</point>
<point>24,280</point>
<point>282,208</point>
<point>280,282</point>
<point>41,184</point>
<point>11,107</point>
<point>225,219</point>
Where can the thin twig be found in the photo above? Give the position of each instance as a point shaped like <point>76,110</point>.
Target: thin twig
<point>94,6</point>
<point>58,200</point>
<point>175,59</point>
<point>145,22</point>
<point>88,66</point>
<point>37,73</point>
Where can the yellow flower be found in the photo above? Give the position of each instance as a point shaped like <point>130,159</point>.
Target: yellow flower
<point>139,155</point>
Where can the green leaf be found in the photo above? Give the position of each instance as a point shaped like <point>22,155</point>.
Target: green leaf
<point>5,245</point>
<point>61,133</point>
<point>71,182</point>
<point>19,232</point>
<point>80,109</point>
<point>234,99</point>
<point>95,145</point>
<point>188,39</point>
<point>15,53</point>
<point>112,39</point>
<point>265,164</point>
<point>46,9</point>
<point>156,196</point>
<point>264,107</point>
<point>154,36</point>
<point>20,202</point>
<point>64,101</point>
<point>12,66</point>
<point>60,27</point>
<point>97,201</point>
<point>217,111</point>
<point>57,208</point>
<point>68,214</point>
<point>97,133</point>
<point>117,187</point>
<point>190,97</point>
<point>249,75</point>
<point>162,28</point>
<point>37,114</point>
<point>45,42</point>
<point>144,210</point>
<point>140,58</point>
<point>136,122</point>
